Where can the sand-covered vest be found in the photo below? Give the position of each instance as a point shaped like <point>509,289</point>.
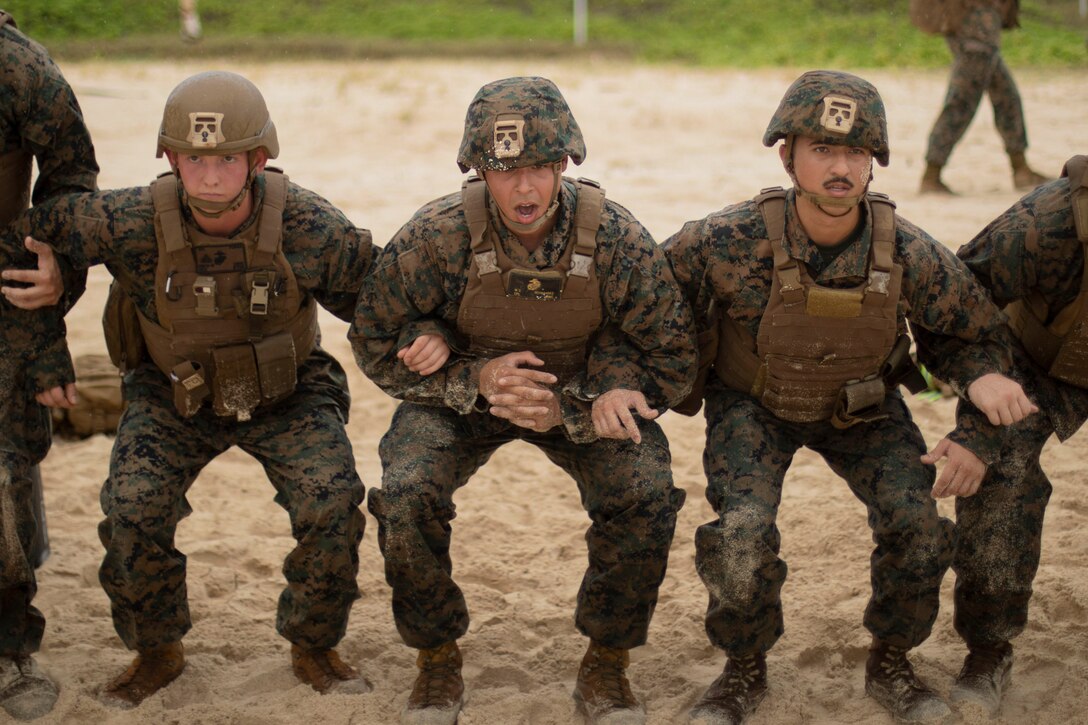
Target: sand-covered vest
<point>1060,346</point>
<point>552,312</point>
<point>232,324</point>
<point>820,352</point>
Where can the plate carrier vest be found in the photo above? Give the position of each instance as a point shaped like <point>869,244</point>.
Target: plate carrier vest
<point>1060,346</point>
<point>233,326</point>
<point>552,312</point>
<point>820,352</point>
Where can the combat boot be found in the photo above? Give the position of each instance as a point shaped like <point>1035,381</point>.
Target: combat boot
<point>324,671</point>
<point>438,692</point>
<point>152,670</point>
<point>732,697</point>
<point>1024,178</point>
<point>986,673</point>
<point>931,182</point>
<point>602,692</point>
<point>26,692</point>
<point>890,680</point>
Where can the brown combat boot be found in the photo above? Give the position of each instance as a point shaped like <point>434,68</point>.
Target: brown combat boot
<point>152,670</point>
<point>324,671</point>
<point>732,697</point>
<point>931,182</point>
<point>1024,178</point>
<point>602,691</point>
<point>26,693</point>
<point>890,680</point>
<point>438,692</point>
<point>986,673</point>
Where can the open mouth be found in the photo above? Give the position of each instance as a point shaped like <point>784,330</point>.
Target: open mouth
<point>525,213</point>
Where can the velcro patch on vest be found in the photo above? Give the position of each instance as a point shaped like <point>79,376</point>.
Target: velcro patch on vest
<point>541,286</point>
<point>823,302</point>
<point>219,258</point>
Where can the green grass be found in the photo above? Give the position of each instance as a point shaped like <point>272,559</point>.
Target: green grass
<point>736,33</point>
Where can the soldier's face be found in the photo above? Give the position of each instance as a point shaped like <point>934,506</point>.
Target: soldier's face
<point>214,178</point>
<point>524,194</point>
<point>842,171</point>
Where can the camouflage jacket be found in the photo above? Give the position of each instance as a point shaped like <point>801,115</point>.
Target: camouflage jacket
<point>725,258</point>
<point>645,342</point>
<point>39,115</point>
<point>1032,246</point>
<point>327,253</point>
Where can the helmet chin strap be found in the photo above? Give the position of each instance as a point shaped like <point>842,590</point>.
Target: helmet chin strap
<point>553,207</point>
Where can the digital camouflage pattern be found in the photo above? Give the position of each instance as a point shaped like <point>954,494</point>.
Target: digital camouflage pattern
<point>644,344</point>
<point>747,455</point>
<point>834,108</point>
<point>441,435</point>
<point>301,441</point>
<point>1031,247</point>
<point>40,118</point>
<point>217,112</point>
<point>726,259</point>
<point>519,122</point>
<point>626,489</point>
<point>978,68</point>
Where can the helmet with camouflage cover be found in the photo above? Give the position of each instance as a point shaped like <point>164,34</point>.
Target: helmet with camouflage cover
<point>216,112</point>
<point>518,122</point>
<point>835,108</point>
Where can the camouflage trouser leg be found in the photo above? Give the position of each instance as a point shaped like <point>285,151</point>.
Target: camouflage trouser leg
<point>24,440</point>
<point>999,537</point>
<point>21,624</point>
<point>977,68</point>
<point>157,455</point>
<point>747,455</point>
<point>427,454</point>
<point>627,490</point>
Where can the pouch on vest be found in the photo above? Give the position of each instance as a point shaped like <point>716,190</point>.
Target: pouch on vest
<point>121,326</point>
<point>859,402</point>
<point>190,387</point>
<point>100,402</point>
<point>236,389</point>
<point>276,366</point>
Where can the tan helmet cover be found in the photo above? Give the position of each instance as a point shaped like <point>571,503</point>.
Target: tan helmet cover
<point>218,113</point>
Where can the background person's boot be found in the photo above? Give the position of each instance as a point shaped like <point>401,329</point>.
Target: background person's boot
<point>732,697</point>
<point>324,671</point>
<point>439,690</point>
<point>986,673</point>
<point>1024,178</point>
<point>931,181</point>
<point>890,680</point>
<point>26,693</point>
<point>602,691</point>
<point>152,670</point>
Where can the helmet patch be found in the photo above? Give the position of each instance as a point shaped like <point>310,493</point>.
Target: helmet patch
<point>205,130</point>
<point>839,114</point>
<point>509,134</point>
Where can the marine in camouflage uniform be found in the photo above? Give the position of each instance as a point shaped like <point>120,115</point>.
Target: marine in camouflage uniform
<point>161,446</point>
<point>1029,257</point>
<point>733,266</point>
<point>973,34</point>
<point>40,120</point>
<point>450,423</point>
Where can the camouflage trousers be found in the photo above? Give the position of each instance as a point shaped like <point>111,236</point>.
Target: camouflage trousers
<point>24,440</point>
<point>627,490</point>
<point>747,455</point>
<point>304,449</point>
<point>999,529</point>
<point>977,68</point>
